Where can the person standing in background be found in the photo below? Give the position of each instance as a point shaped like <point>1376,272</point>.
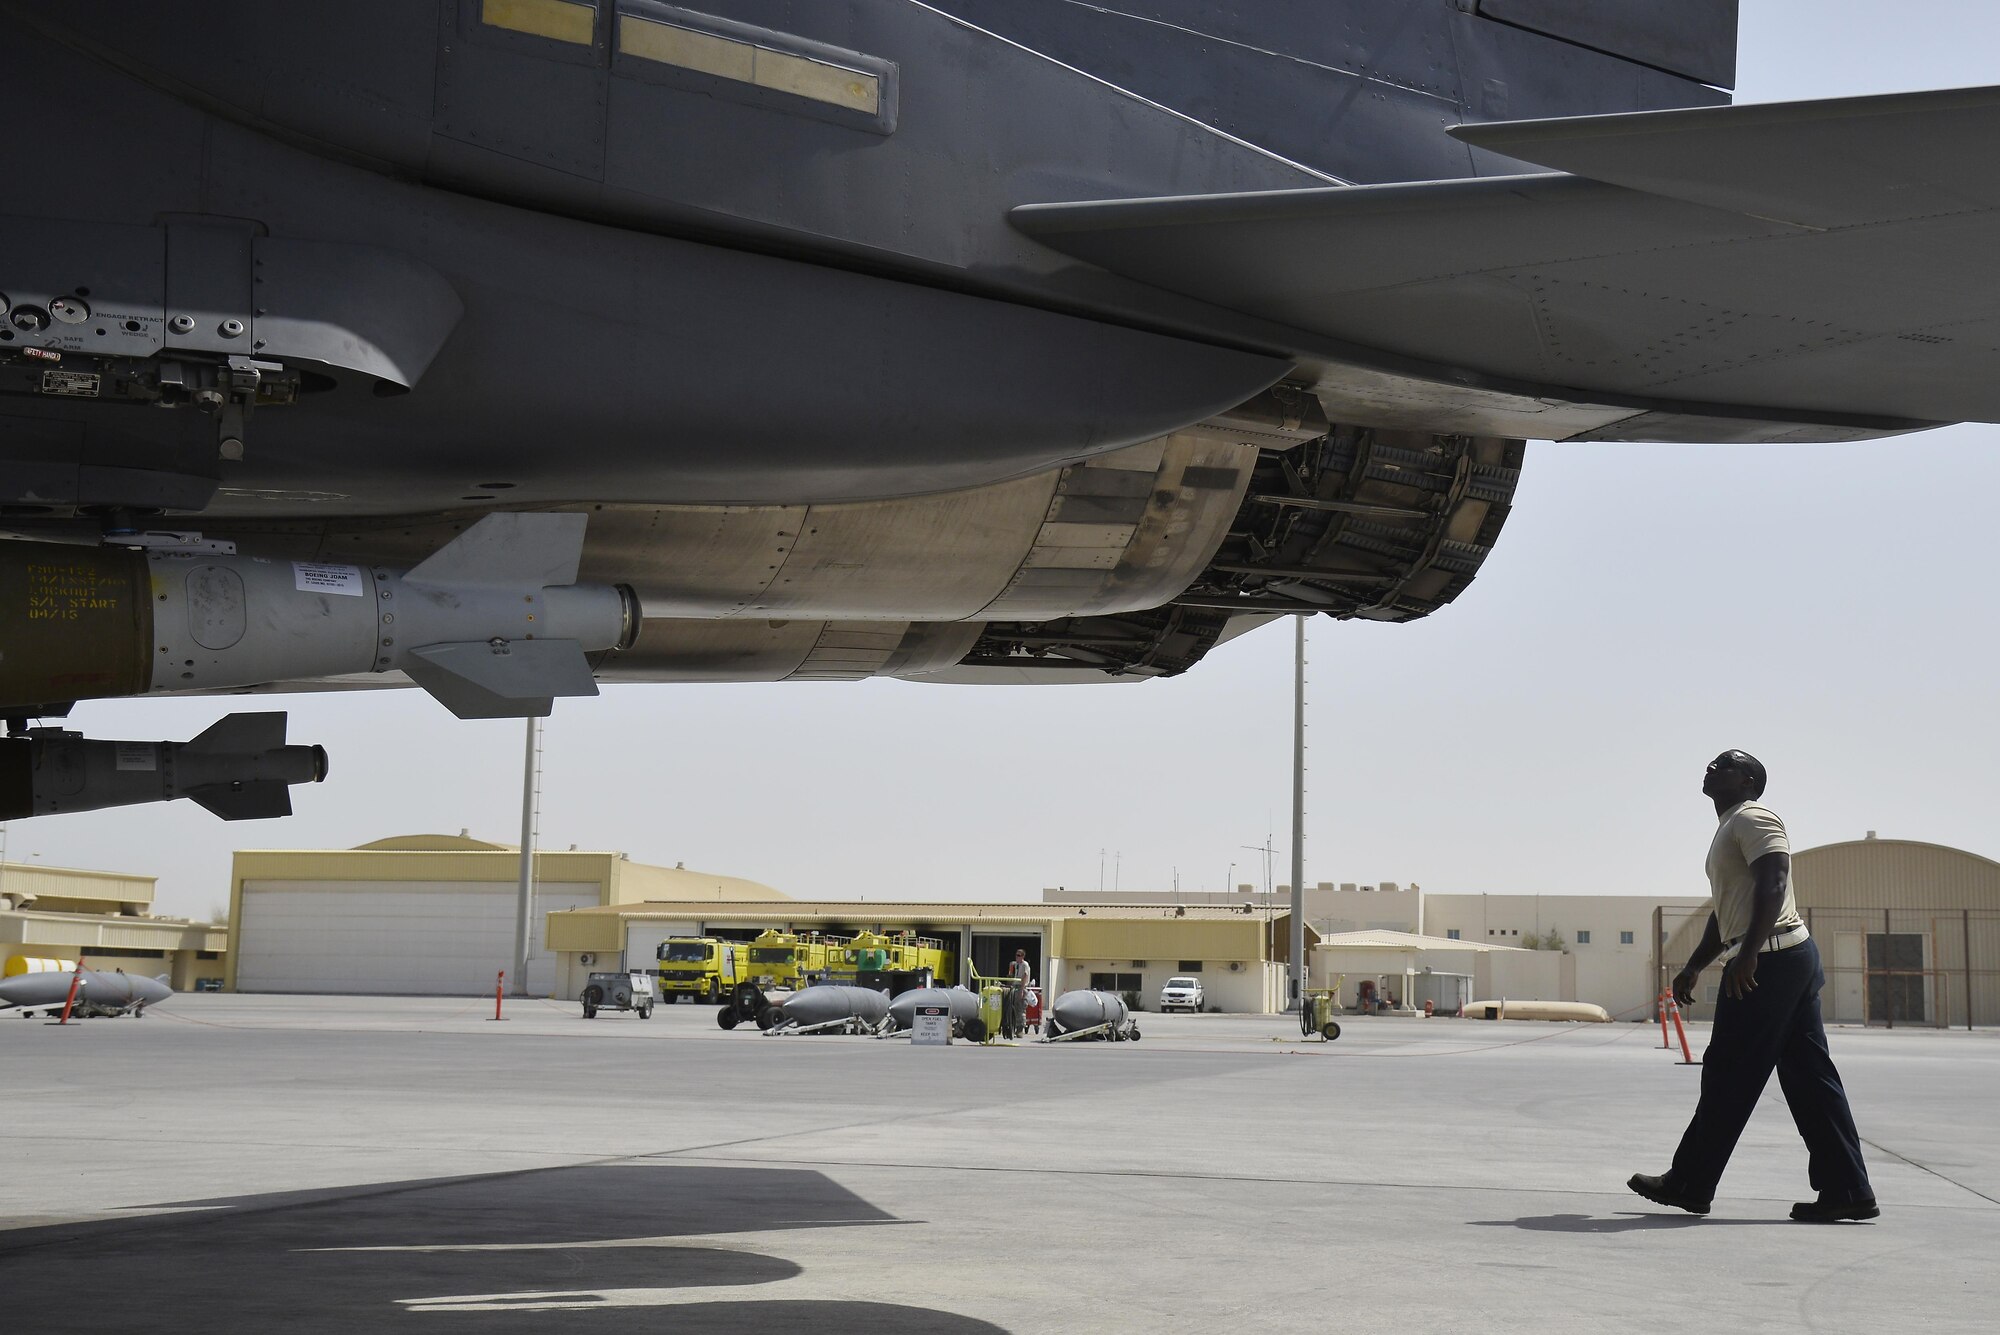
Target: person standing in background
<point>1019,974</point>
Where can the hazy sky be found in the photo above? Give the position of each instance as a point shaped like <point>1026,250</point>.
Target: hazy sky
<point>1829,607</point>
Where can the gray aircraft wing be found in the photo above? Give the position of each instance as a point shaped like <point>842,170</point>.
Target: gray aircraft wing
<point>1838,257</point>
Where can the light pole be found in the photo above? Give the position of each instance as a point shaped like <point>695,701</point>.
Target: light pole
<point>524,906</point>
<point>1296,972</point>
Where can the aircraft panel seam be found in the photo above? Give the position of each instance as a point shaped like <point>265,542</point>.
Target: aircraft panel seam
<point>1162,107</point>
<point>1620,56</point>
<point>1365,72</point>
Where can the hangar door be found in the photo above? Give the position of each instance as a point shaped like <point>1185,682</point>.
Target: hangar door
<point>444,938</point>
<point>642,942</point>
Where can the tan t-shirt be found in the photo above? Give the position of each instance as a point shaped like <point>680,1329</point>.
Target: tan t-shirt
<point>1747,832</point>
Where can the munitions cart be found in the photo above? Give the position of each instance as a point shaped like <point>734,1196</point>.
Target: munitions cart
<point>619,992</point>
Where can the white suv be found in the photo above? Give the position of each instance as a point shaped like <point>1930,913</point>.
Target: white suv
<point>1181,994</point>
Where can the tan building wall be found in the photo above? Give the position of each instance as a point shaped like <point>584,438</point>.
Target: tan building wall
<point>74,890</point>
<point>61,912</point>
<point>1329,907</point>
<point>1227,954</point>
<point>1901,873</point>
<point>1534,975</point>
<point>1610,970</point>
<point>1494,973</point>
<point>1332,910</point>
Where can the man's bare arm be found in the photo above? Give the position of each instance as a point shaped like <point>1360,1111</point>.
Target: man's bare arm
<point>1704,952</point>
<point>1773,871</point>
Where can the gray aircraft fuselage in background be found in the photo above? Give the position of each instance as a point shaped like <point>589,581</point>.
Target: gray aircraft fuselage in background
<point>511,346</point>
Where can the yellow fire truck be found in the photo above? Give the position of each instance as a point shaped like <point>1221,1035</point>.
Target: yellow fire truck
<point>892,952</point>
<point>700,967</point>
<point>790,959</point>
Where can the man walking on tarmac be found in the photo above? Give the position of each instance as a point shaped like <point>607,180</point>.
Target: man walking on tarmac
<point>1766,1017</point>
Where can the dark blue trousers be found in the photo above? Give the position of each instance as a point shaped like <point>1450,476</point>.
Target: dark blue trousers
<point>1777,1027</point>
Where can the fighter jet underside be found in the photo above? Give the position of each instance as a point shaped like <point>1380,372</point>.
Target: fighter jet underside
<point>506,347</point>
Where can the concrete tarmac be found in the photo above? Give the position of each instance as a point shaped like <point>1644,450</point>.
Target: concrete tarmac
<point>252,1164</point>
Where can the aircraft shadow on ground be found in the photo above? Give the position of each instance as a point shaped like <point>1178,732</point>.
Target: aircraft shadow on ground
<point>292,1261</point>
<point>1623,1223</point>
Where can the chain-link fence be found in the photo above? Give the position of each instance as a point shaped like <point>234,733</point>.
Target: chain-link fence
<point>1886,967</point>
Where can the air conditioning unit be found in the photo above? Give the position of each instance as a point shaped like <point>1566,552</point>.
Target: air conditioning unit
<point>586,959</point>
<point>1236,966</point>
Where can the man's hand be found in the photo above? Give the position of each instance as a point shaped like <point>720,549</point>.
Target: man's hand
<point>1739,979</point>
<point>1684,982</point>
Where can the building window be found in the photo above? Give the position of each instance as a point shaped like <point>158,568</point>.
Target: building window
<point>1896,981</point>
<point>1624,938</point>
<point>1190,966</point>
<point>1451,934</point>
<point>1583,938</point>
<point>1114,982</point>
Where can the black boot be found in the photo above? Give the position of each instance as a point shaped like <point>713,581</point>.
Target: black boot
<point>1829,1209</point>
<point>1662,1191</point>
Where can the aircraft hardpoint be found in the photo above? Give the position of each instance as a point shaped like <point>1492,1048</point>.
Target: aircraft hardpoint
<point>508,347</point>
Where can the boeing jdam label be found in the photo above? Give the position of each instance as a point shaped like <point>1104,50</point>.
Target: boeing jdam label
<point>312,577</point>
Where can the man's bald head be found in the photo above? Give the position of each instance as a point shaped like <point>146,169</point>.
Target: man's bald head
<point>1741,763</point>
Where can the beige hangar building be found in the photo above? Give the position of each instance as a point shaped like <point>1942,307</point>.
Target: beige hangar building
<point>425,914</point>
<point>59,913</point>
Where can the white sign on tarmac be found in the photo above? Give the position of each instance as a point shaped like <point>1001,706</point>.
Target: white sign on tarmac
<point>932,1026</point>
